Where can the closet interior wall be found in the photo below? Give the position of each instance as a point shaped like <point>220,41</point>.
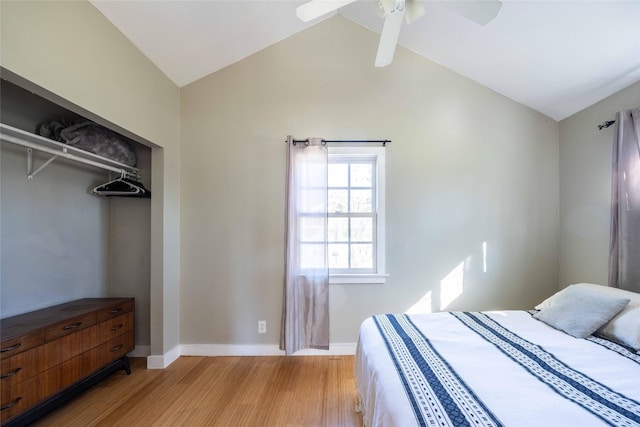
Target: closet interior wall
<point>58,241</point>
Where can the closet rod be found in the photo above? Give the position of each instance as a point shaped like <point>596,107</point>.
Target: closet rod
<point>33,142</point>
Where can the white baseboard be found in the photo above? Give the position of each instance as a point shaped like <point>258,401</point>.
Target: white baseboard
<point>338,349</point>
<point>230,350</point>
<point>164,360</point>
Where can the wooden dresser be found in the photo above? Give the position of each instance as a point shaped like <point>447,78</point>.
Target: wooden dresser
<point>50,355</point>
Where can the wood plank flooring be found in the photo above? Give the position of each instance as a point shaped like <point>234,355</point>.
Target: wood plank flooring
<point>221,391</point>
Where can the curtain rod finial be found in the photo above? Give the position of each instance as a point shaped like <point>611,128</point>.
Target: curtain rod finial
<point>606,124</point>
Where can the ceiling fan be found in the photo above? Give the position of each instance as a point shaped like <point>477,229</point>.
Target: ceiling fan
<point>394,11</point>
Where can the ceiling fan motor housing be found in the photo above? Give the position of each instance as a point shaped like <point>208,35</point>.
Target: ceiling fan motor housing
<point>386,7</point>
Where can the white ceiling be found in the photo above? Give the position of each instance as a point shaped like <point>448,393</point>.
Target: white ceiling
<point>556,57</point>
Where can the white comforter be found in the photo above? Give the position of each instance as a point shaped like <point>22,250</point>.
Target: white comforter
<point>508,390</point>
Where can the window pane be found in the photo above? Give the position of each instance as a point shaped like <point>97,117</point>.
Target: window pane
<point>361,175</point>
<point>362,229</point>
<point>312,255</point>
<point>338,229</point>
<point>361,256</point>
<point>312,229</point>
<point>361,201</point>
<point>338,201</point>
<point>338,175</point>
<point>338,255</point>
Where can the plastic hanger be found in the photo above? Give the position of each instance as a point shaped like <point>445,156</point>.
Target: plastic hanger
<point>122,186</point>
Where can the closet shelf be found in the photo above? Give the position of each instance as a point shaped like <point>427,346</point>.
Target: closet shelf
<point>32,141</point>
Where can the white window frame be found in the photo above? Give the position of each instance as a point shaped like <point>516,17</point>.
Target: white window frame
<point>379,276</point>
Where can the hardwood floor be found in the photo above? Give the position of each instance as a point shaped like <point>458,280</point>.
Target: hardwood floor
<point>221,391</point>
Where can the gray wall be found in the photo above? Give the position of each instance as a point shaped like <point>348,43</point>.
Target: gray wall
<point>585,189</point>
<point>130,249</point>
<point>55,245</point>
<point>466,166</point>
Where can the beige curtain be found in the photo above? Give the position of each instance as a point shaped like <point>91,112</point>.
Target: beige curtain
<point>624,256</point>
<point>305,314</point>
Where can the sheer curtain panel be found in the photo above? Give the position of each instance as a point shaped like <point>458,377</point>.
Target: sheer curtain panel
<point>305,316</point>
<point>624,257</point>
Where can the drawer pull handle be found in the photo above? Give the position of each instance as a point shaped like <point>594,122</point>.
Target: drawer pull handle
<point>10,374</point>
<point>13,347</point>
<point>116,348</point>
<point>12,404</point>
<point>116,310</point>
<point>75,325</point>
<point>115,328</point>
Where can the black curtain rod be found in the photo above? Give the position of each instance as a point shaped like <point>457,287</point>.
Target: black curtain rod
<point>606,124</point>
<point>384,142</point>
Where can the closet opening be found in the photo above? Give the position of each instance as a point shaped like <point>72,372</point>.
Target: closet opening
<point>60,240</point>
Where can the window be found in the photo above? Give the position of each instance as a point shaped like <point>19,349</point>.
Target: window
<point>356,214</point>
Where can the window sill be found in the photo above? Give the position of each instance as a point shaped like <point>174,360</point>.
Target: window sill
<point>349,279</point>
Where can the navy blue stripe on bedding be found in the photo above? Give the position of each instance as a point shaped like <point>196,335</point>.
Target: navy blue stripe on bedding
<point>438,396</point>
<point>610,406</point>
<point>622,350</point>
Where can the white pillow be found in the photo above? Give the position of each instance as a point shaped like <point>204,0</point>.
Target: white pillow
<point>625,326</point>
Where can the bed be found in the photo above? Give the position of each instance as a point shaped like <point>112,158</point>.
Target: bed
<point>500,368</point>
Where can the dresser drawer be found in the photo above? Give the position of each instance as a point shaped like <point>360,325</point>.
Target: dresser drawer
<point>108,352</point>
<point>18,399</point>
<point>115,310</point>
<point>61,376</point>
<point>15,345</point>
<point>18,368</point>
<point>57,351</point>
<point>116,348</point>
<point>110,329</point>
<point>70,326</point>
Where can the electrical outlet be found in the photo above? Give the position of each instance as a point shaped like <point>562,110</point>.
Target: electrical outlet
<point>262,326</point>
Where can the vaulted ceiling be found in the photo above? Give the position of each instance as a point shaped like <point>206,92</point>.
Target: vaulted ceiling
<point>556,57</point>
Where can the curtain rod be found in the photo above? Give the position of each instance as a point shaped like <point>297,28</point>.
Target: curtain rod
<point>384,142</point>
<point>606,124</point>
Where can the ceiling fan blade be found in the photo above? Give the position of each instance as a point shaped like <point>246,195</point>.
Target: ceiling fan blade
<point>414,10</point>
<point>317,8</point>
<point>479,11</point>
<point>389,38</point>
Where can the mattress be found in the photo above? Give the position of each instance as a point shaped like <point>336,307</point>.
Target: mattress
<point>502,368</point>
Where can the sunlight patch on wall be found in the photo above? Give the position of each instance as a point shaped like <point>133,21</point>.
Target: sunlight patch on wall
<point>422,306</point>
<point>452,286</point>
<point>484,256</point>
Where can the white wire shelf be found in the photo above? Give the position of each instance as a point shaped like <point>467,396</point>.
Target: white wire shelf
<point>32,141</point>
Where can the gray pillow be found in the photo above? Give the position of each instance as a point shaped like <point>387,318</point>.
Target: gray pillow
<point>580,312</point>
